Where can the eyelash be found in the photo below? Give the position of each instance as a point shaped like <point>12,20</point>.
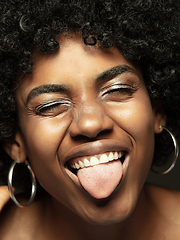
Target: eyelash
<point>116,92</point>
<point>119,88</point>
<point>48,107</point>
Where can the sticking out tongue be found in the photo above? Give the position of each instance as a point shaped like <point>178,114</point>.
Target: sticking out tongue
<point>101,180</point>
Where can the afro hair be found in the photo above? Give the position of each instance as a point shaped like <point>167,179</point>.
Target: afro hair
<point>147,31</point>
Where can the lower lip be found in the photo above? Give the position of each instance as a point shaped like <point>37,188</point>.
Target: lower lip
<point>74,178</point>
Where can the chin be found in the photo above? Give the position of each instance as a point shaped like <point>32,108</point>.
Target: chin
<point>106,220</point>
<point>108,211</point>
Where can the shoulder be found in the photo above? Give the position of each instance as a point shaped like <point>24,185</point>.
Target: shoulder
<point>165,204</point>
<point>162,196</point>
<point>16,221</point>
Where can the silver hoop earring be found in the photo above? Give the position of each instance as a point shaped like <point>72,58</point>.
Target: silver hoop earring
<point>176,153</point>
<point>33,179</point>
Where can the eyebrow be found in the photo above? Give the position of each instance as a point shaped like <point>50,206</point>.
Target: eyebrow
<point>47,88</point>
<point>113,72</point>
<point>62,88</point>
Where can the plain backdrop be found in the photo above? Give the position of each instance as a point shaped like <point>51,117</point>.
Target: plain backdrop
<point>169,180</point>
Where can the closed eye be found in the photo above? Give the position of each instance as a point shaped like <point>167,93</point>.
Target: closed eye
<point>118,92</point>
<point>52,108</point>
<point>122,88</point>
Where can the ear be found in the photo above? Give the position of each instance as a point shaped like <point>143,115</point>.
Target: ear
<point>159,118</point>
<point>16,148</point>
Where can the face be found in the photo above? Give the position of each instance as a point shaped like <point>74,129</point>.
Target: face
<point>85,103</point>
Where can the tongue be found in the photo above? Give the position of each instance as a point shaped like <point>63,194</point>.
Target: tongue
<point>101,180</point>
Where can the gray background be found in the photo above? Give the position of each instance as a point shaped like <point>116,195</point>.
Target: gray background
<point>170,180</point>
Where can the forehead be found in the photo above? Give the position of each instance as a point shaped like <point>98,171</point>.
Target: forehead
<point>72,62</point>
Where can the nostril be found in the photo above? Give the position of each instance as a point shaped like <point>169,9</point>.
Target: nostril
<point>91,137</point>
<point>90,121</point>
<point>105,132</point>
<point>90,128</point>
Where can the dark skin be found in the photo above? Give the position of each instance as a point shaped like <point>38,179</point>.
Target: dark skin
<point>90,113</point>
<point>159,221</point>
<point>4,196</point>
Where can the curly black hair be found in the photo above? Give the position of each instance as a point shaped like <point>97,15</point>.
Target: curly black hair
<point>147,31</point>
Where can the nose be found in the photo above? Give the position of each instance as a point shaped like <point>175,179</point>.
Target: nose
<point>90,120</point>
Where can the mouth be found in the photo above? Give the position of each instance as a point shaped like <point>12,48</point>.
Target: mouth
<point>89,161</point>
<point>98,167</point>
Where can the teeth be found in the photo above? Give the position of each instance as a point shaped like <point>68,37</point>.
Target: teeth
<point>86,163</point>
<point>116,155</point>
<point>104,159</point>
<point>77,166</point>
<point>120,154</point>
<point>95,161</point>
<point>81,164</point>
<point>111,156</point>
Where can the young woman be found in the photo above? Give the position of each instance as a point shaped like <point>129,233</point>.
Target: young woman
<point>89,94</point>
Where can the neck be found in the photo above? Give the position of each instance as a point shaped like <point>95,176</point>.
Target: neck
<point>63,222</point>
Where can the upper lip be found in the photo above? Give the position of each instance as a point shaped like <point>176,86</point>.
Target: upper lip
<point>96,147</point>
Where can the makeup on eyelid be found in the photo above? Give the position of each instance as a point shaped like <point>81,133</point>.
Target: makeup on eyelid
<point>124,91</point>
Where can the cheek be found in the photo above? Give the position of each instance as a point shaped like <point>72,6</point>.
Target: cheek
<point>44,132</point>
<point>136,118</point>
<point>42,140</point>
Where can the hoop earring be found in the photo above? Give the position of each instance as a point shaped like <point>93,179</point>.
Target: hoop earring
<point>33,179</point>
<point>176,153</point>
